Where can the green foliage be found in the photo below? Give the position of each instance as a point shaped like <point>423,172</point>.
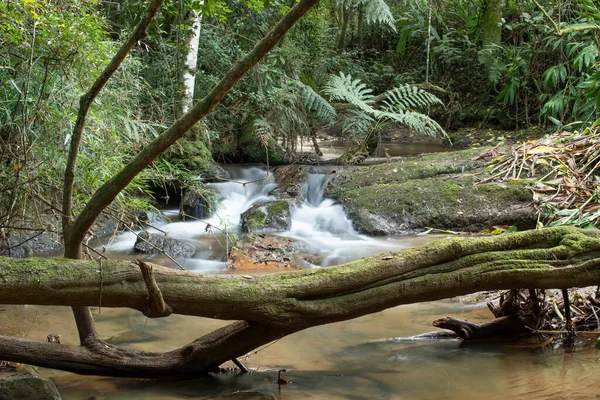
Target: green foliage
<point>316,104</point>
<point>376,12</point>
<point>400,105</point>
<point>50,53</point>
<point>343,88</point>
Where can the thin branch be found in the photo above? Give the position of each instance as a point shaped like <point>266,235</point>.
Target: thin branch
<point>88,336</point>
<point>84,105</point>
<point>107,192</point>
<point>543,10</point>
<point>157,306</point>
<point>19,244</point>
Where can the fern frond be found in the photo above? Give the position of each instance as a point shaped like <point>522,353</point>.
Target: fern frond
<point>378,12</point>
<point>416,121</point>
<point>344,88</point>
<point>314,102</point>
<point>375,11</point>
<point>409,97</point>
<point>358,123</point>
<point>263,130</point>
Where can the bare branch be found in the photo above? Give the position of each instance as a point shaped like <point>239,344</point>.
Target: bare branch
<point>84,105</point>
<point>157,306</point>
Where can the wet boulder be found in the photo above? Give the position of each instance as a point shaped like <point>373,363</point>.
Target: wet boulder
<point>290,182</point>
<point>28,386</point>
<point>158,243</point>
<point>273,216</point>
<point>442,191</point>
<point>27,244</point>
<point>215,173</point>
<point>197,204</point>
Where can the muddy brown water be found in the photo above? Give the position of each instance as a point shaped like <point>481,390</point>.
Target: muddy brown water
<point>348,360</point>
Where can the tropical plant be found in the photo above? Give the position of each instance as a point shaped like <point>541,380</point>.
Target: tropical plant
<point>400,105</point>
<point>366,11</point>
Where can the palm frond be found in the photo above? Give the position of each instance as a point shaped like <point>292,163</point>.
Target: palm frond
<point>314,102</point>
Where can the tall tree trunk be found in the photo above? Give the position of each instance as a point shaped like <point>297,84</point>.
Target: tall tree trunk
<point>273,306</point>
<point>491,22</point>
<point>345,13</point>
<point>189,66</point>
<point>361,26</point>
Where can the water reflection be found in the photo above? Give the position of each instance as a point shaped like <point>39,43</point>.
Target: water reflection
<point>347,360</point>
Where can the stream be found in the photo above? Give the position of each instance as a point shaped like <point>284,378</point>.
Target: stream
<point>372,357</point>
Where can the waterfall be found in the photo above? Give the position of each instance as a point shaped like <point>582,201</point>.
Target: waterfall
<point>319,224</point>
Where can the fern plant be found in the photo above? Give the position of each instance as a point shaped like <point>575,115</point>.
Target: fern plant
<point>400,105</point>
<point>314,103</point>
<point>375,12</point>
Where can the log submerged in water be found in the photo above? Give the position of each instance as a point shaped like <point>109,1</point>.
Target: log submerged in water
<point>267,307</point>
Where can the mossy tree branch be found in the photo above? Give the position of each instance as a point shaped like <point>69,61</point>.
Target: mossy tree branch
<point>276,305</point>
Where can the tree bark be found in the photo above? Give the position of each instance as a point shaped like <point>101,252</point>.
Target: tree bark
<point>189,66</point>
<point>345,14</point>
<point>491,22</point>
<point>273,306</point>
<point>503,326</point>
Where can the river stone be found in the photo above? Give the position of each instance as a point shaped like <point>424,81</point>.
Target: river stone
<point>272,216</point>
<point>259,251</point>
<point>215,173</point>
<point>196,204</point>
<point>156,243</point>
<point>290,182</point>
<point>437,191</point>
<point>27,386</point>
<point>30,243</point>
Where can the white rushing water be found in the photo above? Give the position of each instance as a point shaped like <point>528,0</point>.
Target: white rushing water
<point>319,224</point>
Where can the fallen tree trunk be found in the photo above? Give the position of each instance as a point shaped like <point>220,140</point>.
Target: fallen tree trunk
<point>268,307</point>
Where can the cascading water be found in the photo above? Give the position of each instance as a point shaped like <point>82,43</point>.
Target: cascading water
<point>318,224</point>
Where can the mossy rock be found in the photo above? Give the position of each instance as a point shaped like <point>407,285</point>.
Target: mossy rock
<point>408,168</point>
<point>436,190</point>
<point>27,386</point>
<point>444,202</point>
<point>273,216</point>
<point>198,203</point>
<point>158,243</point>
<point>291,181</point>
<point>192,155</point>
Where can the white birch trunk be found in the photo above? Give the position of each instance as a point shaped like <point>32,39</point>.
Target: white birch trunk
<point>189,67</point>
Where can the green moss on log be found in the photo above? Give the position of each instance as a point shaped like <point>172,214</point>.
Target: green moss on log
<point>421,167</point>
